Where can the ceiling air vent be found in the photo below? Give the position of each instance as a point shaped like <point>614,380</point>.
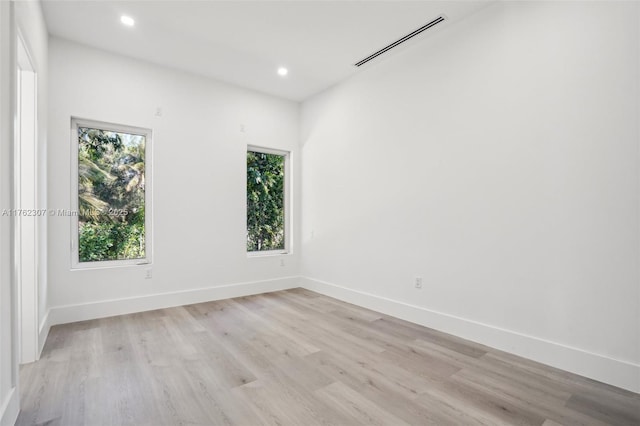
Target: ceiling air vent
<point>400,41</point>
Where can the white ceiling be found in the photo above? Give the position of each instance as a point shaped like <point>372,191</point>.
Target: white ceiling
<point>244,42</point>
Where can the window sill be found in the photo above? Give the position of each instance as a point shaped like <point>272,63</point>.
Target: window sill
<point>269,253</point>
<point>89,266</point>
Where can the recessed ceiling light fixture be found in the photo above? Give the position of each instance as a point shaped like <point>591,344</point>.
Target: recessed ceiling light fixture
<point>127,21</point>
<point>282,71</point>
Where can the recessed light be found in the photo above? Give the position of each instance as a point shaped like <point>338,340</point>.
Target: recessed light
<point>282,71</point>
<point>127,20</point>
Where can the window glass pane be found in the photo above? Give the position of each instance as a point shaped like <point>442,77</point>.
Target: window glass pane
<point>111,195</point>
<point>265,201</point>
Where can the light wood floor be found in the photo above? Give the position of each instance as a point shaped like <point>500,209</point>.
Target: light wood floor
<point>296,358</point>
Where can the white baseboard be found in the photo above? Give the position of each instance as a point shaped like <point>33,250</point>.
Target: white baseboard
<point>615,372</point>
<point>43,333</point>
<point>108,308</point>
<point>10,408</point>
<point>618,373</point>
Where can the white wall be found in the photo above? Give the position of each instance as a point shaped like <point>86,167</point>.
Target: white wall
<point>199,152</point>
<point>498,159</point>
<point>8,360</point>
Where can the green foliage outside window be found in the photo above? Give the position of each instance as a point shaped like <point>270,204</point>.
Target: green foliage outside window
<point>111,195</point>
<point>265,201</point>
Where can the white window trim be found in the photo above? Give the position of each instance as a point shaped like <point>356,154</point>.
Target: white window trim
<point>287,201</point>
<point>148,229</point>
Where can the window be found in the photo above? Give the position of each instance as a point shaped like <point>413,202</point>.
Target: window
<point>267,201</point>
<point>111,198</point>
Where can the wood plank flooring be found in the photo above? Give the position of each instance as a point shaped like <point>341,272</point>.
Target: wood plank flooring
<point>296,358</point>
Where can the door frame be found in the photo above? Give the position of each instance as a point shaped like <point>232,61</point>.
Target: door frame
<point>25,201</point>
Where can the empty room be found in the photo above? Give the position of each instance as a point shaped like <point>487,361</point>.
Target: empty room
<point>313,212</point>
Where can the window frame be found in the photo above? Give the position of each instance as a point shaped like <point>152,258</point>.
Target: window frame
<point>287,201</point>
<point>148,206</point>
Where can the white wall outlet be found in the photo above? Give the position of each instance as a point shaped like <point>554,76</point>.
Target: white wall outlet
<point>418,283</point>
<point>281,262</point>
<point>148,274</point>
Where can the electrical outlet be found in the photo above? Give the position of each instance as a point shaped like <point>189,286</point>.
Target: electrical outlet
<point>281,262</point>
<point>418,283</point>
<point>148,274</point>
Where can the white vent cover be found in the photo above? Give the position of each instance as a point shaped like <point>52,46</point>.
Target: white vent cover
<point>425,27</point>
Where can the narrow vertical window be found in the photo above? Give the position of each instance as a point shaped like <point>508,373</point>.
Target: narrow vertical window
<point>267,203</point>
<point>111,195</point>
